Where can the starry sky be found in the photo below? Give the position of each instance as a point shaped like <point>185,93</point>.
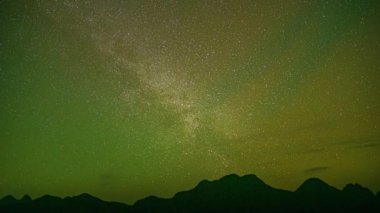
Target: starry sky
<point>125,99</point>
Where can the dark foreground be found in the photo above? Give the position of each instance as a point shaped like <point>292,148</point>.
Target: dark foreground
<point>231,193</point>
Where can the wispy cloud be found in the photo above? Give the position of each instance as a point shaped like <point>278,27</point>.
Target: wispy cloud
<point>316,169</point>
<point>365,145</point>
<point>366,142</point>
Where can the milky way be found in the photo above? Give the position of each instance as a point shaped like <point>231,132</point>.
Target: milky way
<point>125,99</point>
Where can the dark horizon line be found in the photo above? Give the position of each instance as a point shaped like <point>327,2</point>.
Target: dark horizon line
<point>86,194</point>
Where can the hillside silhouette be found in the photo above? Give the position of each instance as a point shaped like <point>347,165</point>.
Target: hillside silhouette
<point>231,193</point>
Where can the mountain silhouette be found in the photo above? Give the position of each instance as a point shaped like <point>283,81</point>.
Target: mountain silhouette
<point>231,193</point>
<point>81,203</point>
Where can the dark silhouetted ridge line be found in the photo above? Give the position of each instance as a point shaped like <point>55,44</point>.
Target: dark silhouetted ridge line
<point>231,193</point>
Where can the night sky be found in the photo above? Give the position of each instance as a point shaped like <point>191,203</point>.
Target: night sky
<point>125,99</point>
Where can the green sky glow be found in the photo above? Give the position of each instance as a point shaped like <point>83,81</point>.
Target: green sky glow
<point>124,99</point>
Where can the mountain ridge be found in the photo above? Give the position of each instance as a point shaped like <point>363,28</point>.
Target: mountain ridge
<point>231,193</point>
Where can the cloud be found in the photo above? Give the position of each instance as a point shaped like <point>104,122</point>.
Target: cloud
<point>365,142</point>
<point>316,169</point>
<point>365,145</point>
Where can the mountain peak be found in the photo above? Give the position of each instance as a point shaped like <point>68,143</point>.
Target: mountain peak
<point>26,198</point>
<point>353,186</point>
<point>8,198</point>
<point>86,197</point>
<point>313,182</point>
<point>250,178</point>
<point>230,176</point>
<point>48,198</point>
<point>236,180</point>
<point>357,190</point>
<point>315,185</point>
